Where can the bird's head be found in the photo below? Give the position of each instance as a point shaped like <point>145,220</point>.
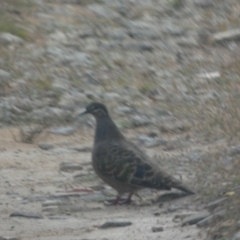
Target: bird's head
<point>96,109</point>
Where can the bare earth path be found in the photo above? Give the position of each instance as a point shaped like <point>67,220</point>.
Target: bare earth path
<point>31,182</point>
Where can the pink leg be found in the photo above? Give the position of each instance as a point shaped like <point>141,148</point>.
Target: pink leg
<point>119,201</point>
<point>128,200</point>
<point>113,202</point>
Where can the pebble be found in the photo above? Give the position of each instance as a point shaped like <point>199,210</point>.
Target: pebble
<point>173,208</point>
<point>58,217</point>
<point>138,121</point>
<point>212,205</point>
<point>238,224</point>
<point>231,35</point>
<point>236,236</point>
<point>4,77</point>
<point>195,156</point>
<point>28,134</point>
<point>70,167</point>
<point>26,215</point>
<point>8,38</point>
<point>9,238</point>
<point>157,229</point>
<point>112,224</point>
<point>82,149</point>
<point>195,218</point>
<point>207,221</point>
<point>111,96</point>
<point>174,126</point>
<point>65,131</point>
<point>124,109</point>
<point>45,146</point>
<point>233,151</point>
<point>51,203</point>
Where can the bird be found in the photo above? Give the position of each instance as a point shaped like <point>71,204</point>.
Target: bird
<point>122,164</point>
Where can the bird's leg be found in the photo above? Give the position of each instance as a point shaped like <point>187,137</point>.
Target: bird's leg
<point>128,200</point>
<point>112,202</point>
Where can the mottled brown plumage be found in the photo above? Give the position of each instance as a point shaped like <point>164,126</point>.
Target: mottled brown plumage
<point>121,164</point>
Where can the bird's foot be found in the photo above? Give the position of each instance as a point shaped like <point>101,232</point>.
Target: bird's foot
<point>117,201</point>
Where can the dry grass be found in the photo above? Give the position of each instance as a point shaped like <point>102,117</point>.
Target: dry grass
<point>219,172</point>
<point>12,16</point>
<point>8,25</point>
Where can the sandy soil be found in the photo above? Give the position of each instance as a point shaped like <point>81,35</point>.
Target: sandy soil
<point>32,182</point>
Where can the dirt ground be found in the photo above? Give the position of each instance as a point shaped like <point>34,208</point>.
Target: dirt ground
<point>32,182</point>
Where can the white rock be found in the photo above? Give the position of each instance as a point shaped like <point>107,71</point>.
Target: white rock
<point>8,38</point>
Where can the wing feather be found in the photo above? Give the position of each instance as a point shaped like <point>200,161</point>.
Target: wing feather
<point>126,165</point>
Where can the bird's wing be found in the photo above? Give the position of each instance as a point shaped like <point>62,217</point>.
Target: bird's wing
<point>124,164</point>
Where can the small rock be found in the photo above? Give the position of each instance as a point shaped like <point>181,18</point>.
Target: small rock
<point>45,146</point>
<point>70,167</point>
<point>209,75</point>
<point>138,47</point>
<point>57,217</point>
<point>185,42</point>
<point>65,131</point>
<point>195,218</point>
<point>48,203</point>
<point>26,215</point>
<point>205,222</point>
<point>146,47</point>
<point>138,121</point>
<point>231,35</point>
<point>146,34</point>
<point>60,85</point>
<point>103,11</point>
<point>4,77</point>
<point>173,208</point>
<point>174,126</point>
<point>212,205</point>
<point>50,209</point>
<point>28,134</point>
<point>115,224</point>
<point>238,224</point>
<point>194,156</point>
<point>181,216</point>
<point>8,38</point>
<point>25,104</point>
<point>204,3</point>
<point>9,238</point>
<point>16,110</point>
<point>236,236</point>
<point>157,229</point>
<point>83,149</point>
<point>233,151</point>
<point>125,110</point>
<point>117,34</point>
<point>94,197</point>
<point>71,100</point>
<point>111,96</point>
<point>166,197</point>
<point>58,36</point>
<point>151,142</point>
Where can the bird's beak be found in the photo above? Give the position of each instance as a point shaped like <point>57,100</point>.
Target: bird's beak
<point>79,115</point>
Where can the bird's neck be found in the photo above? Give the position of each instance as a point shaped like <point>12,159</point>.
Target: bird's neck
<point>106,129</point>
